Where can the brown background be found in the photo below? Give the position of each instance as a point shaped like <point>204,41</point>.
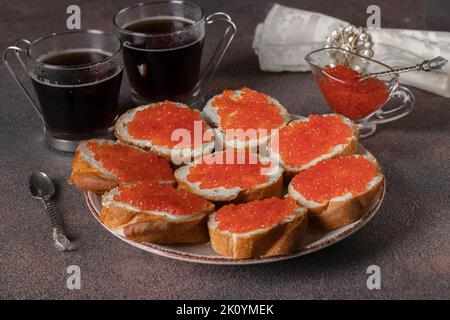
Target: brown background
<point>409,238</point>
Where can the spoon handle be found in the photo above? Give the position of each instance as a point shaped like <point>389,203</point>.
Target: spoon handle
<point>427,66</point>
<point>61,241</point>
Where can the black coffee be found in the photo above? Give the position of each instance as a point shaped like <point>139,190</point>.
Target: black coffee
<point>159,25</point>
<point>75,58</point>
<point>79,109</point>
<point>163,66</point>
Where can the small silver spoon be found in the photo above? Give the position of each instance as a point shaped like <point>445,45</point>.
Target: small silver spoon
<point>427,65</point>
<point>43,188</point>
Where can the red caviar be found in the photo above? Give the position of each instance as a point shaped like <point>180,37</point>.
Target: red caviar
<point>303,141</point>
<point>163,198</point>
<point>334,178</point>
<point>130,164</point>
<point>229,169</point>
<point>251,110</point>
<point>349,96</point>
<point>254,215</point>
<point>157,123</point>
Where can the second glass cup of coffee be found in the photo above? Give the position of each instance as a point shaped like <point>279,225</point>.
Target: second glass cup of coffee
<point>163,44</point>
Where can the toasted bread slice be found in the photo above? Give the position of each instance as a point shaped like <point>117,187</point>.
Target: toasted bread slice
<point>271,227</point>
<point>234,112</point>
<point>337,192</point>
<point>156,213</point>
<point>221,177</point>
<point>170,130</point>
<point>101,165</point>
<point>305,142</point>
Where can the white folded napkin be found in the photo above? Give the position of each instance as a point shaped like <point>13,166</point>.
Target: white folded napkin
<point>288,35</point>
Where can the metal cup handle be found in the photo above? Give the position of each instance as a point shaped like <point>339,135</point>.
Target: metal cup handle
<point>221,48</point>
<point>18,51</point>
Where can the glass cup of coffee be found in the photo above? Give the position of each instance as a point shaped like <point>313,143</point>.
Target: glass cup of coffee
<point>76,76</point>
<point>163,43</point>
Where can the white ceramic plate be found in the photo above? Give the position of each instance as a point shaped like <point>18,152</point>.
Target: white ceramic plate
<point>203,253</point>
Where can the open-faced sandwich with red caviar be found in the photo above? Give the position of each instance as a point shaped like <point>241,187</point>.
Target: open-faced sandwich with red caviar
<point>262,228</point>
<point>171,130</point>
<point>232,175</point>
<point>101,165</point>
<point>156,213</point>
<point>244,118</point>
<point>305,142</point>
<point>339,191</point>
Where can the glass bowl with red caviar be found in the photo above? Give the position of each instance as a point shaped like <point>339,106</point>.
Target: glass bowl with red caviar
<point>340,76</point>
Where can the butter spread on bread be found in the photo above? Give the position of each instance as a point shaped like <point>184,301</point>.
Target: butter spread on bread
<point>339,191</point>
<point>100,165</point>
<point>242,110</point>
<point>156,127</point>
<point>305,142</point>
<point>248,177</point>
<point>269,227</point>
<point>156,213</point>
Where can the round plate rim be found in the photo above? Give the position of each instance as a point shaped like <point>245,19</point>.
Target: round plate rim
<point>177,255</point>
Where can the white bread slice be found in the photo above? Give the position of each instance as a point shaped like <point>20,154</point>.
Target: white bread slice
<point>154,226</point>
<point>90,174</point>
<point>341,150</point>
<point>272,187</point>
<point>345,209</point>
<point>283,238</point>
<point>211,115</point>
<point>183,155</point>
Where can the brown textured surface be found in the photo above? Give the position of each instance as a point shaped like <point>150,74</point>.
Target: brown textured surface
<point>409,238</point>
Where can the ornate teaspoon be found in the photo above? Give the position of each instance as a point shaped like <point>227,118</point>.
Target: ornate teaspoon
<point>43,188</point>
<point>427,66</point>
